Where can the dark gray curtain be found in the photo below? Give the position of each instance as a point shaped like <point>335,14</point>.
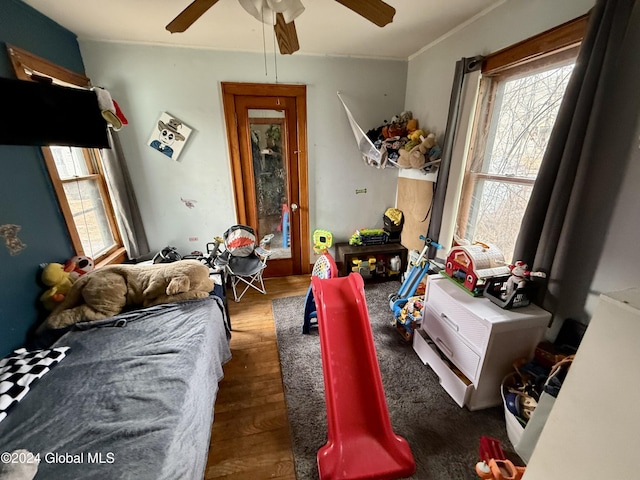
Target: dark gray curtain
<point>124,199</point>
<point>567,217</point>
<point>463,67</point>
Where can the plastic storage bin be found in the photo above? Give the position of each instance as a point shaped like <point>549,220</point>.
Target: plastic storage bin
<point>524,438</point>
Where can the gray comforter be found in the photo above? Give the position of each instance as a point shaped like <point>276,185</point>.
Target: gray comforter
<point>133,399</point>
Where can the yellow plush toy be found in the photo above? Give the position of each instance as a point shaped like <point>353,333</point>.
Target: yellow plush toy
<point>57,277</point>
<point>416,134</point>
<point>412,126</point>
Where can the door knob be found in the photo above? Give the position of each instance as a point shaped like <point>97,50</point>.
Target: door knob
<point>294,207</point>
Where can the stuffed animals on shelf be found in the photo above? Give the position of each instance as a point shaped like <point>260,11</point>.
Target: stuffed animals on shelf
<point>418,155</point>
<point>404,144</point>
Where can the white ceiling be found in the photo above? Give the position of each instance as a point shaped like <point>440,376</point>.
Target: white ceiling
<point>324,28</point>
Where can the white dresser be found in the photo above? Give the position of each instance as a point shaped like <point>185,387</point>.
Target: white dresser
<point>471,343</point>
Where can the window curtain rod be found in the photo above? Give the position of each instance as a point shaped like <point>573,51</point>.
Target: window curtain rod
<point>463,66</point>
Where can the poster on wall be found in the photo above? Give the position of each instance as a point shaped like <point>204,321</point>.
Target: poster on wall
<point>169,136</point>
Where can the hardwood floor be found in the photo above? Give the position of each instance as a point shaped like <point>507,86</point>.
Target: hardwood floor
<point>250,436</point>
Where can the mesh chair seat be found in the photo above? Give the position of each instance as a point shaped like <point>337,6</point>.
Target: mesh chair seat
<point>242,260</point>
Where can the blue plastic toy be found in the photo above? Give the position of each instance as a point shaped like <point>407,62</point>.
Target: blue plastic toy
<point>418,270</point>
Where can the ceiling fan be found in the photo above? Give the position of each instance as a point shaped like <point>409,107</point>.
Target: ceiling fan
<point>281,14</point>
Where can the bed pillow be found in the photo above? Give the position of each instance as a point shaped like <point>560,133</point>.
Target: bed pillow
<point>19,369</point>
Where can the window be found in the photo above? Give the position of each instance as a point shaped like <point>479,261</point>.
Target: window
<point>516,111</point>
<point>77,176</point>
<point>84,189</point>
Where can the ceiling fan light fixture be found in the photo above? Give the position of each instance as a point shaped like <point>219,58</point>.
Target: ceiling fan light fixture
<point>290,9</point>
<point>264,10</point>
<point>256,8</point>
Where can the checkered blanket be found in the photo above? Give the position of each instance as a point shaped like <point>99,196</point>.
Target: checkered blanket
<point>20,369</point>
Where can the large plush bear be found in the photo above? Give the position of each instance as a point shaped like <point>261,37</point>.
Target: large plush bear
<point>105,292</point>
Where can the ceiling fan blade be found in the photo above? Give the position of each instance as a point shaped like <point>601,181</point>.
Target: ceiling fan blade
<point>286,35</point>
<point>375,11</point>
<point>189,15</point>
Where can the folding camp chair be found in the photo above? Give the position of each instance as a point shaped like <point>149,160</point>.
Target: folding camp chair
<point>243,261</point>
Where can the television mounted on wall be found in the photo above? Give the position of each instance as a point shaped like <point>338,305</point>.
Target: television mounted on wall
<point>41,114</point>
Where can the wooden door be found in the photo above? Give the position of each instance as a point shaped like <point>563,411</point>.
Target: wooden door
<point>266,130</point>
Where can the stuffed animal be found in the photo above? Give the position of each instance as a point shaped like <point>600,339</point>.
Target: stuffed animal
<point>419,154</point>
<point>412,126</point>
<point>105,292</point>
<point>57,277</point>
<point>415,158</point>
<point>393,130</point>
<point>404,118</point>
<point>81,265</point>
<point>416,134</point>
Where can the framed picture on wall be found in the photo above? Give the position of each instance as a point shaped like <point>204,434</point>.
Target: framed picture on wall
<point>169,136</point>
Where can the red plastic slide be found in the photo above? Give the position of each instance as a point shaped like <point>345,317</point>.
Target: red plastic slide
<point>361,443</point>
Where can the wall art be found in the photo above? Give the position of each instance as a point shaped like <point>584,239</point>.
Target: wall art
<point>169,136</point>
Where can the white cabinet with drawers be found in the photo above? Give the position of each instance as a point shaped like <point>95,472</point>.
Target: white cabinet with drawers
<point>471,343</point>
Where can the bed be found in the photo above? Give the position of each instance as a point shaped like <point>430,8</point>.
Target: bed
<point>132,398</point>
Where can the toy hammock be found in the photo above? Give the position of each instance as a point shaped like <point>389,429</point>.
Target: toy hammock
<point>370,154</point>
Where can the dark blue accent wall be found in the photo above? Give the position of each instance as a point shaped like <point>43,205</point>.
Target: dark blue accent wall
<point>27,198</point>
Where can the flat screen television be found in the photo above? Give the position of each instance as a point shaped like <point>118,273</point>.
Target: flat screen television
<point>40,114</point>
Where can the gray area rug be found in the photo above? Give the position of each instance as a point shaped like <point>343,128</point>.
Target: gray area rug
<point>444,438</point>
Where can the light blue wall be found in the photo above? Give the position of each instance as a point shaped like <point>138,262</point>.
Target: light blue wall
<point>147,80</point>
<point>27,198</point>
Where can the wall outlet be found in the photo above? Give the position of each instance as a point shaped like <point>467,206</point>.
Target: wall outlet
<point>193,239</point>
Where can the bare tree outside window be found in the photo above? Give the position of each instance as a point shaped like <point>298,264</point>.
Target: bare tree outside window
<point>515,119</point>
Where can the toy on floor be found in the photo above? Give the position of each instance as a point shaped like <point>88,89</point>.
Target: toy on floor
<point>418,270</point>
<point>410,317</point>
<point>494,465</point>
<point>325,267</point>
<point>322,241</point>
<point>361,442</point>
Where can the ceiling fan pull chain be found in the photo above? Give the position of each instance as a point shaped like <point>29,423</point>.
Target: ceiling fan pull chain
<point>264,44</point>
<point>275,55</point>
